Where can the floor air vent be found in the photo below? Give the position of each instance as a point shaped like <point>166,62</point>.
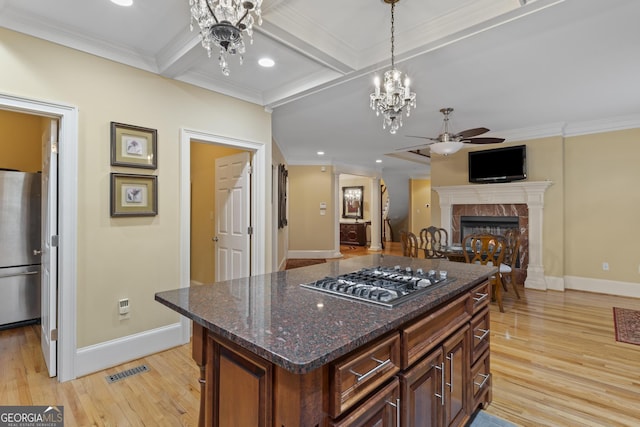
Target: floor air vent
<point>129,372</point>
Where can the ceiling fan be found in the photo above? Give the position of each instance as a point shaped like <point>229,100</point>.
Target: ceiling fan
<point>447,142</point>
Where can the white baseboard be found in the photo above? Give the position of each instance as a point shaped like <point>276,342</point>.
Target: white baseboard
<point>195,283</point>
<point>555,283</point>
<point>611,287</point>
<point>105,355</point>
<point>329,253</point>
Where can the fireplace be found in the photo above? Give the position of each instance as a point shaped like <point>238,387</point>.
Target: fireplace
<point>487,225</point>
<point>523,199</point>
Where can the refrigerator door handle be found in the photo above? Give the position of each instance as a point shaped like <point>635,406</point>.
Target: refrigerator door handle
<point>27,273</point>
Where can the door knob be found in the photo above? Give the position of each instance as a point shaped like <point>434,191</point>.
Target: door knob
<point>37,252</point>
<point>215,239</point>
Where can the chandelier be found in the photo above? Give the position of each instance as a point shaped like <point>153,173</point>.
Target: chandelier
<point>221,25</point>
<point>395,95</point>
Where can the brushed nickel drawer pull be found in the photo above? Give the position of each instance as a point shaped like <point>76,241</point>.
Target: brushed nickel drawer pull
<point>441,395</point>
<point>450,359</point>
<point>397,406</point>
<point>480,297</point>
<point>485,332</point>
<point>484,381</point>
<point>362,377</point>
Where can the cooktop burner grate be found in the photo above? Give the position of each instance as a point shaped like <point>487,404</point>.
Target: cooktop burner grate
<point>384,286</point>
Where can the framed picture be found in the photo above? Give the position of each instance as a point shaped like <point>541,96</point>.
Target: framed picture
<point>134,146</point>
<point>134,195</point>
<point>352,202</point>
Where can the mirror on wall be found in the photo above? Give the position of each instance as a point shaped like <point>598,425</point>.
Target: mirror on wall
<point>352,202</point>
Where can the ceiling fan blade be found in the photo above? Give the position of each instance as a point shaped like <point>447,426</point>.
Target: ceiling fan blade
<point>483,140</point>
<point>425,153</point>
<point>471,132</point>
<point>415,147</point>
<point>423,137</point>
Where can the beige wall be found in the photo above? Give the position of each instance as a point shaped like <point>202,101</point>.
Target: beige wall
<point>203,208</point>
<point>602,199</point>
<point>20,141</point>
<point>123,257</point>
<point>308,187</point>
<point>420,201</point>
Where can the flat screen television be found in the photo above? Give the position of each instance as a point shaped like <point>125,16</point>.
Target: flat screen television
<point>504,164</point>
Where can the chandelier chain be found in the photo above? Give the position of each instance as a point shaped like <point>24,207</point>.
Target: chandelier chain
<point>393,6</point>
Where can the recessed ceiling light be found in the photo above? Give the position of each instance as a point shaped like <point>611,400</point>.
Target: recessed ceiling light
<point>266,62</point>
<point>378,161</point>
<point>320,153</point>
<point>122,2</point>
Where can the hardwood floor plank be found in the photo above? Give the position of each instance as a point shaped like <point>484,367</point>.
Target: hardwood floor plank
<point>554,362</point>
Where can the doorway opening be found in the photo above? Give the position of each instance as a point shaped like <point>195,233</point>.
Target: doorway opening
<point>220,210</point>
<point>64,323</point>
<point>258,183</point>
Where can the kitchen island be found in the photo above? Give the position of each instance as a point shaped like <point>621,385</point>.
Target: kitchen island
<point>273,353</point>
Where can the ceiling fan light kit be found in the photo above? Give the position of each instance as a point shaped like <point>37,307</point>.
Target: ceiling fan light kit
<point>222,23</point>
<point>395,96</point>
<point>446,148</point>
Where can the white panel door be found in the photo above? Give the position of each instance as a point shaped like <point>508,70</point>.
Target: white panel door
<point>232,217</point>
<point>49,285</point>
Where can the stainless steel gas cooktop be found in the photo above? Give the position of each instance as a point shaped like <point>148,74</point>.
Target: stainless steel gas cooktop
<point>384,286</point>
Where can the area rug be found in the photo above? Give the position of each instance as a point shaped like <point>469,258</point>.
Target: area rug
<point>627,324</point>
<point>484,419</point>
<point>303,262</point>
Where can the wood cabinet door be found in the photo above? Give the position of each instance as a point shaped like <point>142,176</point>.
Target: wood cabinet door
<point>238,386</point>
<point>456,376</point>
<point>380,410</point>
<point>422,390</point>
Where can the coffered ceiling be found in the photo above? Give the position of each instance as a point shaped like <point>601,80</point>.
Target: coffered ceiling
<point>521,68</point>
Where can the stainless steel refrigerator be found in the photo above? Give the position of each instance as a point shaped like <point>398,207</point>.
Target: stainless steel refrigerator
<point>19,248</point>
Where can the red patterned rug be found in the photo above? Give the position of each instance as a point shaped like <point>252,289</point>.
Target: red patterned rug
<point>627,324</point>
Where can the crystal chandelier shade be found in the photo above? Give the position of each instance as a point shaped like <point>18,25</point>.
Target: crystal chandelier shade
<point>222,23</point>
<point>395,96</point>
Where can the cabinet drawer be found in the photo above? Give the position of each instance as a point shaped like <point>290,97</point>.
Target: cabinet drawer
<point>480,334</point>
<point>481,381</point>
<point>480,297</point>
<point>381,409</point>
<point>359,373</point>
<point>424,334</point>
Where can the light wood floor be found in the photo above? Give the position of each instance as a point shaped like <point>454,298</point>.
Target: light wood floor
<point>554,361</point>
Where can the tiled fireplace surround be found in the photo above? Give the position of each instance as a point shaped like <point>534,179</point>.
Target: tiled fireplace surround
<point>522,199</point>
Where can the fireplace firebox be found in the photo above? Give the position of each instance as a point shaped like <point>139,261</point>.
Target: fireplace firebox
<point>487,224</point>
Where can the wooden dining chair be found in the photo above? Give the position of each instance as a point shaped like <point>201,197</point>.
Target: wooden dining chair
<point>510,260</point>
<point>433,242</point>
<point>409,243</point>
<point>487,249</point>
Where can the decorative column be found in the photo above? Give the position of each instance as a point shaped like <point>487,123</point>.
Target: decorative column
<point>375,210</point>
<point>531,193</point>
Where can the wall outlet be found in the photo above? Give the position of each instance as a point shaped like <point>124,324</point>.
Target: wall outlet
<point>123,306</point>
<point>605,266</point>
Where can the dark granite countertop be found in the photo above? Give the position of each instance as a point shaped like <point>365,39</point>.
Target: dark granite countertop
<point>302,329</point>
